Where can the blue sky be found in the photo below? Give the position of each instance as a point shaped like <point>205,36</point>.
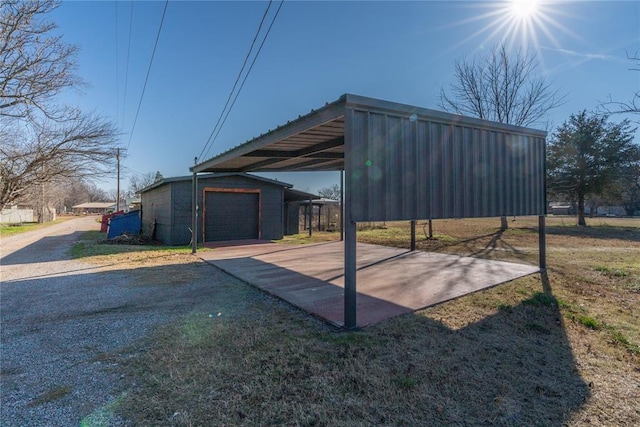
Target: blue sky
<point>316,51</point>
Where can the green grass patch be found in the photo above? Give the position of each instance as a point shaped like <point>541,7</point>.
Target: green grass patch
<point>304,238</point>
<point>444,238</point>
<point>93,243</point>
<point>610,271</point>
<point>621,339</point>
<point>503,306</point>
<point>541,299</point>
<point>588,322</point>
<point>103,415</point>
<point>405,382</point>
<point>12,229</point>
<point>196,330</point>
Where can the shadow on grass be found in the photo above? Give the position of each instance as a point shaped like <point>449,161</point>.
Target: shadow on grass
<point>485,247</point>
<point>511,368</point>
<point>597,232</point>
<point>83,244</point>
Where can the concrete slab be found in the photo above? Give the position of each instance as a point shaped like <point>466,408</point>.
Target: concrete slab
<point>390,281</point>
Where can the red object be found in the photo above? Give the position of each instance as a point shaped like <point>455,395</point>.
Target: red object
<point>104,226</point>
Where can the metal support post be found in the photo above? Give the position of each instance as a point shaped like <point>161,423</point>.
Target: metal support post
<point>194,214</point>
<point>542,240</point>
<point>350,294</point>
<point>413,235</point>
<point>310,210</point>
<point>342,205</point>
<point>350,241</point>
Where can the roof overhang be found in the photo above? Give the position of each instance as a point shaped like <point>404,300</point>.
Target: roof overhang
<point>291,195</point>
<point>188,178</point>
<point>315,141</point>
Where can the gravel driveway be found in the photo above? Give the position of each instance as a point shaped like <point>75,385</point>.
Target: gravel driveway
<point>61,318</point>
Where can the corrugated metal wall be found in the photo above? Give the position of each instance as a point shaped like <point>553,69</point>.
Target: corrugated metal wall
<point>291,218</point>
<point>413,167</point>
<point>157,211</point>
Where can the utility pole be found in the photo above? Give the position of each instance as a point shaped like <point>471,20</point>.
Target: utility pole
<point>194,209</point>
<point>42,218</point>
<point>118,185</point>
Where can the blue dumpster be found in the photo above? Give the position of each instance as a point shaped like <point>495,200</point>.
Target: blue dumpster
<point>128,223</point>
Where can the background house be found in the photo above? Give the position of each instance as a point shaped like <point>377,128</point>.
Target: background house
<point>93,208</point>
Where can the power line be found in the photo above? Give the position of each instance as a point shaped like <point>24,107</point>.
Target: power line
<point>135,120</point>
<point>219,124</point>
<point>126,75</point>
<point>246,58</point>
<point>246,75</point>
<point>133,171</point>
<point>117,68</point>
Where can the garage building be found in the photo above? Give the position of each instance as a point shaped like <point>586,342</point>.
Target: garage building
<point>231,206</point>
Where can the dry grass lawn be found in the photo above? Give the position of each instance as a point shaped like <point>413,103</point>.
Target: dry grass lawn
<point>561,349</point>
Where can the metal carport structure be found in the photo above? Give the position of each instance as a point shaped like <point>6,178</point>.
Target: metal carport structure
<point>402,162</point>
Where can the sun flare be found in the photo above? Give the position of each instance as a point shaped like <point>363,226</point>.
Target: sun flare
<point>530,24</point>
<point>524,9</point>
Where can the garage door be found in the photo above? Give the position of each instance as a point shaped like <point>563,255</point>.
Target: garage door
<point>231,216</point>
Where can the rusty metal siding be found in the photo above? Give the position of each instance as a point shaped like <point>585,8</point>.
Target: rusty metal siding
<point>414,167</point>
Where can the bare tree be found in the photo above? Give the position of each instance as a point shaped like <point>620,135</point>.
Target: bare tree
<point>70,192</point>
<point>625,107</point>
<point>138,182</point>
<point>112,195</point>
<point>35,65</point>
<point>332,192</point>
<point>501,87</point>
<point>42,141</point>
<point>54,151</point>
